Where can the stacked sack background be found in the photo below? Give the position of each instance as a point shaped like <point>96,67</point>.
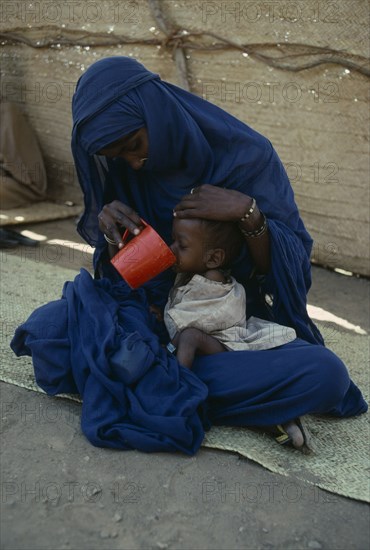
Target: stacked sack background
<point>297,71</point>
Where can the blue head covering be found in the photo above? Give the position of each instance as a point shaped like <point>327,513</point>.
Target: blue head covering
<point>191,142</point>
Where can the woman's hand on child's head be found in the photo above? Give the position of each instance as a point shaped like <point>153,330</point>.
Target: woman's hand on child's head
<point>115,216</point>
<point>213,203</point>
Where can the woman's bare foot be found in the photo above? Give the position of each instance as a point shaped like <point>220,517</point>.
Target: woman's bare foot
<point>295,434</point>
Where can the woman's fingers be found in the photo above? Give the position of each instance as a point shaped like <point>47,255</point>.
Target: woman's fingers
<point>108,226</point>
<point>191,205</point>
<point>127,217</point>
<point>113,234</point>
<point>116,216</point>
<point>212,203</point>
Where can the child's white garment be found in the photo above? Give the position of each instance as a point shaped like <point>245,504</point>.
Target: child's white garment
<point>219,309</point>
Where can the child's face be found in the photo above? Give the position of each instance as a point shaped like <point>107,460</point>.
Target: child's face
<point>188,246</point>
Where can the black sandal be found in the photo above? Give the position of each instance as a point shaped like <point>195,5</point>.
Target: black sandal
<point>10,238</point>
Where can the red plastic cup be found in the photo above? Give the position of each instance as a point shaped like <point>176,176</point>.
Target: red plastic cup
<point>142,257</point>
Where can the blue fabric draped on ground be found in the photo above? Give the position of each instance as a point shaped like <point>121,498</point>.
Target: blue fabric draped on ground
<point>96,341</point>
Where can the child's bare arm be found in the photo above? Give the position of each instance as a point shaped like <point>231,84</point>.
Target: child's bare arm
<point>192,341</point>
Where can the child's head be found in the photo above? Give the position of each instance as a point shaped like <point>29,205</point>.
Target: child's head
<point>200,245</point>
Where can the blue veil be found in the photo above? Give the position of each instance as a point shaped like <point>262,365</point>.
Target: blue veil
<point>191,142</point>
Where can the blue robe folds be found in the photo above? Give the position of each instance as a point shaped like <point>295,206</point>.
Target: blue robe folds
<point>101,345</point>
<point>107,346</point>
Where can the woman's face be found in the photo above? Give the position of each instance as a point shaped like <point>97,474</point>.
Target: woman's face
<point>133,148</point>
<point>188,246</point>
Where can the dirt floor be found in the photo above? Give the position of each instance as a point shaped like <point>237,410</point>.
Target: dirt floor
<point>59,492</point>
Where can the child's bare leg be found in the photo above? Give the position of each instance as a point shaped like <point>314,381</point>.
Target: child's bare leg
<point>192,341</point>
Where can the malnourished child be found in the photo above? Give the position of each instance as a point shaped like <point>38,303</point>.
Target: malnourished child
<point>206,308</point>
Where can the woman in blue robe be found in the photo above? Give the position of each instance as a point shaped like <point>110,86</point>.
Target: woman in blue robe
<point>144,148</point>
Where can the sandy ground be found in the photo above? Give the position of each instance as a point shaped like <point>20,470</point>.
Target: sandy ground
<point>59,492</point>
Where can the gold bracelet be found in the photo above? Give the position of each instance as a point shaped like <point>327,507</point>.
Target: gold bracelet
<point>257,232</point>
<point>249,212</point>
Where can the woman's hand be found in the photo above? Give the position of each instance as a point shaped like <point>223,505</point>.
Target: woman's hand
<point>216,203</point>
<point>213,203</point>
<point>116,216</point>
